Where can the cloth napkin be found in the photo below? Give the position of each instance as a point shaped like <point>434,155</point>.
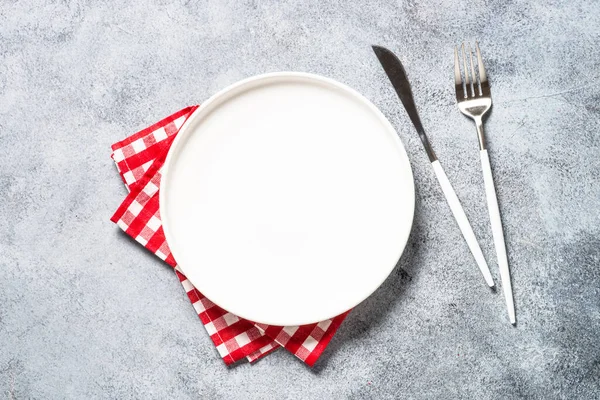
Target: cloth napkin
<point>139,159</point>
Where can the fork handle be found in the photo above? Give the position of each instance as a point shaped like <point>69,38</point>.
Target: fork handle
<point>496,222</point>
<point>463,222</point>
<point>480,134</point>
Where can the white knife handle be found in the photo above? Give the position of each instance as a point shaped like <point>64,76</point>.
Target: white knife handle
<point>496,222</point>
<point>463,222</point>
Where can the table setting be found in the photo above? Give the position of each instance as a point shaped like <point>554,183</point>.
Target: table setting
<point>267,114</point>
<point>299,200</point>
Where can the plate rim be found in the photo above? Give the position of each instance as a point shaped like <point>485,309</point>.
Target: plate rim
<point>291,75</point>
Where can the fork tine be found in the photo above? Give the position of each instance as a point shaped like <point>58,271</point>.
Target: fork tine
<point>457,77</point>
<point>482,75</point>
<point>485,86</point>
<point>467,78</point>
<point>474,83</point>
<point>458,83</point>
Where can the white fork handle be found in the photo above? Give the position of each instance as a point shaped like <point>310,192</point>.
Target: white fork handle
<point>463,222</point>
<point>496,222</point>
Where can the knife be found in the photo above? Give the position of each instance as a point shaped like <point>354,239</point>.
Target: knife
<point>395,72</point>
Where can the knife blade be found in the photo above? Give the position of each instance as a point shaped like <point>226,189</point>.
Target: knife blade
<point>397,76</point>
<point>395,72</point>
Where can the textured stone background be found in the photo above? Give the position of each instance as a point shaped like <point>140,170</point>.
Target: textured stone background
<point>86,313</point>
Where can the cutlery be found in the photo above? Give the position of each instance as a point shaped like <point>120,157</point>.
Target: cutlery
<point>474,100</point>
<point>395,72</point>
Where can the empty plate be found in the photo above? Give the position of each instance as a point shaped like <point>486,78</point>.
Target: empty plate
<point>287,198</point>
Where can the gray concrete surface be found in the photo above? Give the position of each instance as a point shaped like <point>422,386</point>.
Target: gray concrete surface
<point>87,313</point>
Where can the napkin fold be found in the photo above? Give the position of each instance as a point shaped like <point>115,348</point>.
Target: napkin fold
<point>139,159</point>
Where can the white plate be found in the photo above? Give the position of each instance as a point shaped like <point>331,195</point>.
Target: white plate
<point>287,198</point>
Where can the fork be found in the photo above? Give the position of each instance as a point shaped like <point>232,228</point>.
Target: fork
<point>474,100</point>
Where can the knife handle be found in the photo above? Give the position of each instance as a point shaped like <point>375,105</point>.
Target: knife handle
<point>463,222</point>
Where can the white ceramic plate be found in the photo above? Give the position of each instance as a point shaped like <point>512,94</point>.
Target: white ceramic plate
<point>287,198</point>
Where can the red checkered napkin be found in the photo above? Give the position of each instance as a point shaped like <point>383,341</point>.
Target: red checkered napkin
<point>139,159</point>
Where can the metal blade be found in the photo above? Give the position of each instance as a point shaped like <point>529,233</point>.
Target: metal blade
<point>395,72</point>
